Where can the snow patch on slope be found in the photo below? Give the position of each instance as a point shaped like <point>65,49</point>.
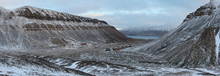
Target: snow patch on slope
<point>29,70</point>
<point>101,68</point>
<point>211,71</point>
<point>217,42</point>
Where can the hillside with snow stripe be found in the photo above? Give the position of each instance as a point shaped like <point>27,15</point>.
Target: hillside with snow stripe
<point>33,28</point>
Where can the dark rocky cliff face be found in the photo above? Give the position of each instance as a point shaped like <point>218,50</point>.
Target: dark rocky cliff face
<point>29,27</point>
<point>194,43</point>
<point>203,10</point>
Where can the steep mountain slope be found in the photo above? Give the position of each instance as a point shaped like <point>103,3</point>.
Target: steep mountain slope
<point>195,42</point>
<point>28,27</point>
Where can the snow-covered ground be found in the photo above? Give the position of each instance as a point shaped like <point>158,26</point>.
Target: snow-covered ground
<point>30,70</point>
<point>101,68</point>
<point>15,64</point>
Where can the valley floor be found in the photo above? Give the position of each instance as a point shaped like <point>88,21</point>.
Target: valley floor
<point>93,61</point>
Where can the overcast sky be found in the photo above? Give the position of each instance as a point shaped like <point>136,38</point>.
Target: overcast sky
<point>164,14</point>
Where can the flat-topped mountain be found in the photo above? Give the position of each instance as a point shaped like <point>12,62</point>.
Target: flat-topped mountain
<point>44,14</point>
<point>30,27</point>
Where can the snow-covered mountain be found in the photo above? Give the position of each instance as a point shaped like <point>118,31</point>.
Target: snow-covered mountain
<point>195,42</point>
<point>29,27</point>
<point>40,42</point>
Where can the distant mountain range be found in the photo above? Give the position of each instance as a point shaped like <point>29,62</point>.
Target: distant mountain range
<point>144,32</point>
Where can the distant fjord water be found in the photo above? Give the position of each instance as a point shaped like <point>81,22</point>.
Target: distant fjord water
<point>143,37</point>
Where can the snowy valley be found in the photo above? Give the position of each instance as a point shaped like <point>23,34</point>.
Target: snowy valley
<point>42,42</point>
